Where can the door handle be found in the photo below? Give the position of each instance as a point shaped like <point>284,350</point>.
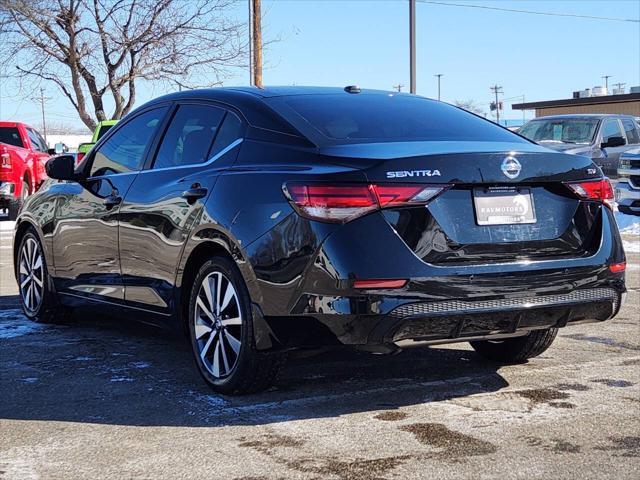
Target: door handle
<point>194,193</point>
<point>111,201</point>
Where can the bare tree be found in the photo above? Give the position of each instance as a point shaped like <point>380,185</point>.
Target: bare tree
<point>470,106</point>
<point>95,51</point>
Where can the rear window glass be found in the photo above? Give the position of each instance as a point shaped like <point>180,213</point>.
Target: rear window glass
<point>10,136</point>
<point>363,118</point>
<point>103,129</point>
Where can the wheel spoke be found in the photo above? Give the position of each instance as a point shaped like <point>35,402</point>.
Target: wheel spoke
<point>37,280</point>
<point>218,289</point>
<point>224,353</point>
<point>38,263</point>
<point>233,341</point>
<point>216,363</point>
<point>28,299</point>
<point>207,345</point>
<point>26,280</point>
<point>23,267</point>
<point>206,286</point>
<point>228,295</point>
<point>202,330</point>
<point>231,321</point>
<point>36,294</point>
<point>203,308</point>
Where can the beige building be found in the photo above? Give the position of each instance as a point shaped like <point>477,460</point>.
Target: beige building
<point>624,104</point>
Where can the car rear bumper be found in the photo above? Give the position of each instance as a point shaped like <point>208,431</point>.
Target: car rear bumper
<point>7,193</point>
<point>439,322</point>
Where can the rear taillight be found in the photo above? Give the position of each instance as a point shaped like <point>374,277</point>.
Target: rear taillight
<point>79,157</point>
<point>5,159</point>
<point>344,202</point>
<point>618,267</point>
<point>599,190</point>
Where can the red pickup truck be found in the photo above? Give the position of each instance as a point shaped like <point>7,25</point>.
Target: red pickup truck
<point>23,153</point>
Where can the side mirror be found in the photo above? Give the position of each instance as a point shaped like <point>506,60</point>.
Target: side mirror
<point>613,142</point>
<point>61,167</point>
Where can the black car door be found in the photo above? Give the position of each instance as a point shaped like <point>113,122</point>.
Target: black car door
<point>85,237</point>
<point>166,199</point>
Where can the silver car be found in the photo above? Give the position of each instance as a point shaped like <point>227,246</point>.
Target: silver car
<point>603,137</point>
<point>628,187</point>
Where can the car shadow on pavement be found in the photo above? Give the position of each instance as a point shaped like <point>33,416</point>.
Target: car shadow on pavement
<point>108,371</point>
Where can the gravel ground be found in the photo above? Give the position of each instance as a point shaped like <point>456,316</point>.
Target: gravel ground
<point>108,398</point>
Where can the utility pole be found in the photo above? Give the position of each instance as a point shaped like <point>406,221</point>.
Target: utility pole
<point>250,43</point>
<point>620,86</point>
<point>257,43</point>
<point>438,75</point>
<point>606,82</point>
<point>398,87</point>
<point>42,99</point>
<point>497,89</point>
<point>412,46</point>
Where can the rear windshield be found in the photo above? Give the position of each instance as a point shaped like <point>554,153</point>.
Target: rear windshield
<point>103,129</point>
<point>364,118</point>
<point>565,130</point>
<point>11,136</point>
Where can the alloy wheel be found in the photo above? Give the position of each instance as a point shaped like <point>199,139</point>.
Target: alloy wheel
<point>31,274</point>
<point>218,324</point>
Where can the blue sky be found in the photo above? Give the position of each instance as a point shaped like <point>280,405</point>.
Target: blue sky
<point>330,42</point>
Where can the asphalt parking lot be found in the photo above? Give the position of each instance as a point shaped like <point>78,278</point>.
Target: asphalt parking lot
<point>107,398</point>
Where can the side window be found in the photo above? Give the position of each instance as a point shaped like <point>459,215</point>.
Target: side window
<point>35,141</point>
<point>189,136</point>
<point>124,151</point>
<point>631,130</point>
<point>611,128</point>
<point>43,142</point>
<point>230,131</point>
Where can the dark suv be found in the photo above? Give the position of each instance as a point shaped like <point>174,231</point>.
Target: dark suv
<point>265,220</point>
<point>600,137</point>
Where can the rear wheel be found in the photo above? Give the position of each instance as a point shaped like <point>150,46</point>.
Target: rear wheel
<point>39,301</point>
<point>516,350</point>
<point>221,332</point>
<point>16,205</point>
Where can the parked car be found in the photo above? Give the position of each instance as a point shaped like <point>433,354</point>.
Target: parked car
<point>23,153</point>
<point>601,137</point>
<point>261,221</point>
<point>628,186</point>
<point>102,128</point>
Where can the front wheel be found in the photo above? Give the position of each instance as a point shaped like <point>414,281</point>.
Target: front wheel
<point>518,349</point>
<point>221,332</point>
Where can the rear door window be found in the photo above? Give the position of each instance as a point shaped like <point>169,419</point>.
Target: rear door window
<point>230,131</point>
<point>11,136</point>
<point>190,136</point>
<point>630,130</point>
<point>125,150</point>
<point>36,143</point>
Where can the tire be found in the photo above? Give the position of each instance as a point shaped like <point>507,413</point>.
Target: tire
<point>16,205</point>
<point>516,350</point>
<point>222,337</point>
<point>38,298</point>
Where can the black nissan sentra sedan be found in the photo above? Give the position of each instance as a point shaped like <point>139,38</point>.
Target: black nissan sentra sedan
<point>260,221</point>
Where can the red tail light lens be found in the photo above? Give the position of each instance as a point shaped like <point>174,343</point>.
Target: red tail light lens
<point>618,267</point>
<point>343,202</point>
<point>600,190</point>
<point>371,284</point>
<point>5,159</point>
<point>79,157</point>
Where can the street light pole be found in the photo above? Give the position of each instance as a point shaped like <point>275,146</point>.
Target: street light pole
<point>439,75</point>
<point>412,46</point>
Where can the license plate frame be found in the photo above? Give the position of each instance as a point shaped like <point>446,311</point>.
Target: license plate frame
<point>504,206</point>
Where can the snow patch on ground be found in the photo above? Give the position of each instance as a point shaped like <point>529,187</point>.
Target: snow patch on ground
<point>6,225</point>
<point>14,324</point>
<point>628,224</point>
<point>631,247</point>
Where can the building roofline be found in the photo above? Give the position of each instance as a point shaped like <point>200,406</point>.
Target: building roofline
<point>625,97</point>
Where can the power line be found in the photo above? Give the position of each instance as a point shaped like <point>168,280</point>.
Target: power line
<point>532,12</point>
